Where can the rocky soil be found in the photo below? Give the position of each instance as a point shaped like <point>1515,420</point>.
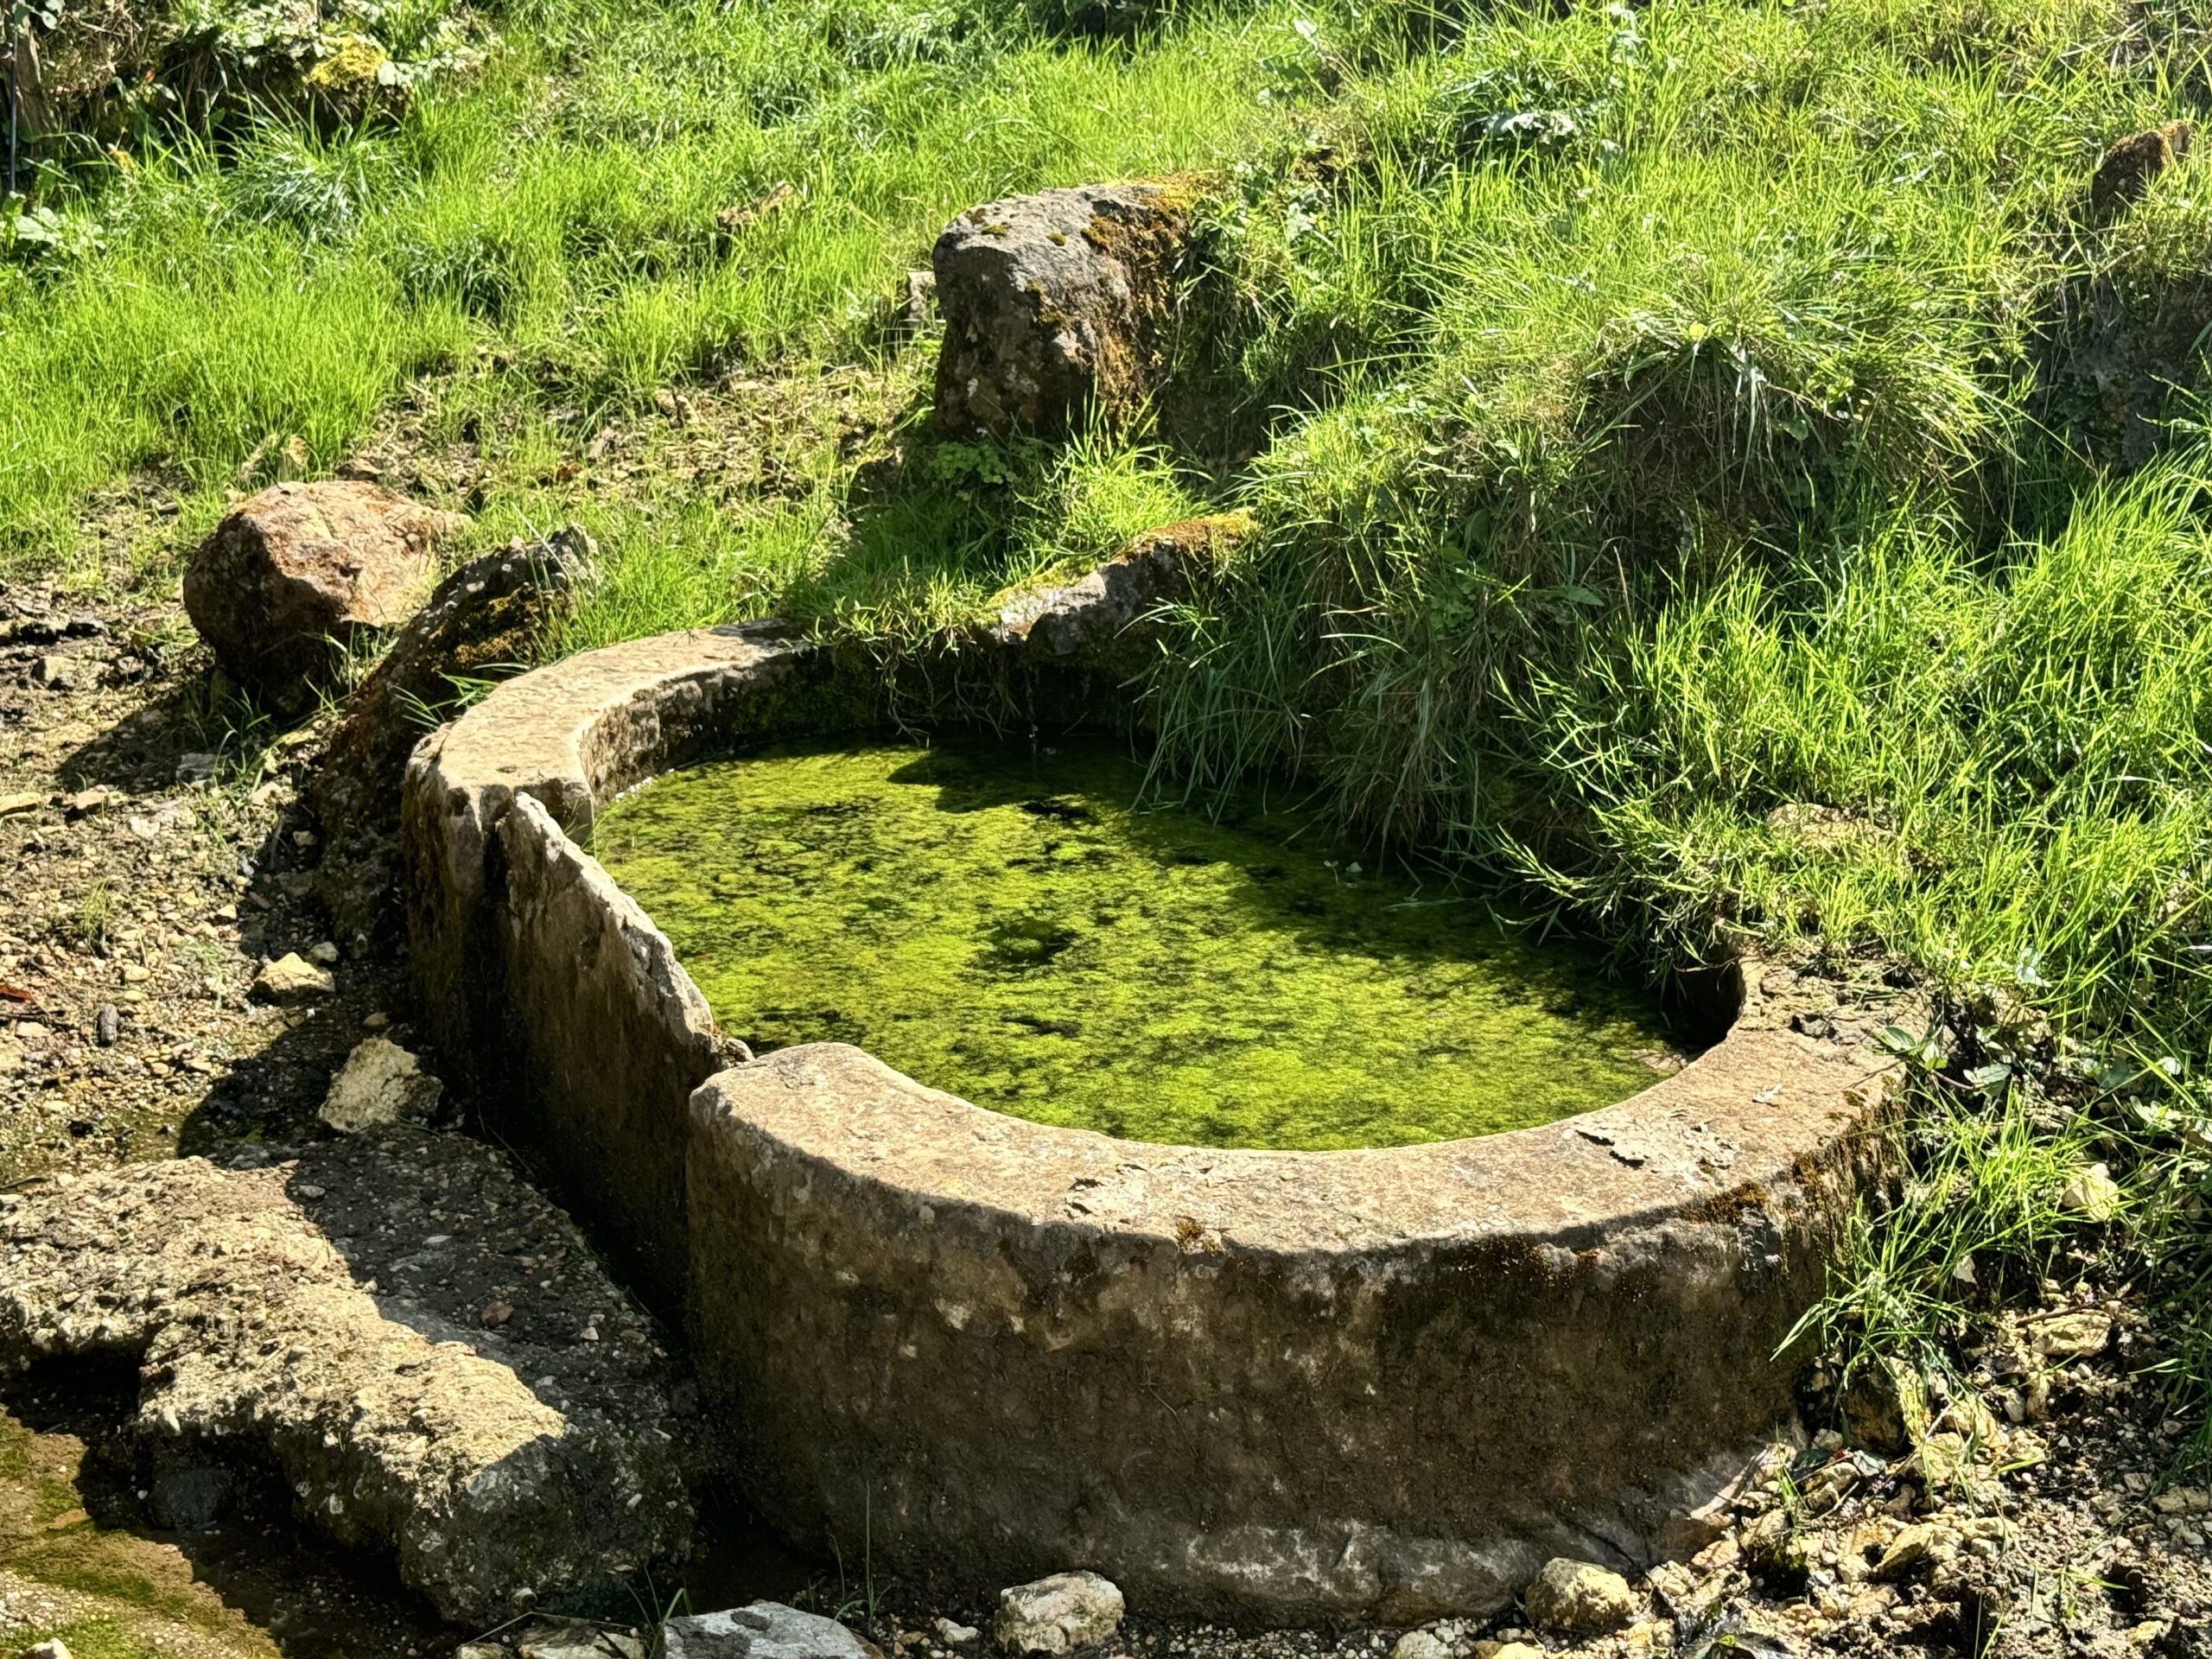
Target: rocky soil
<point>158,853</point>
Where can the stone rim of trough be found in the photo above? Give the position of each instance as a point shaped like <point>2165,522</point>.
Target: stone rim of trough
<point>739,1188</point>
<point>578,732</point>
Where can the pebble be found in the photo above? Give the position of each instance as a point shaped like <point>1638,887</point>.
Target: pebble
<point>955,1635</point>
<point>292,978</point>
<point>1420,1644</point>
<point>326,953</point>
<point>51,1649</point>
<point>107,1025</point>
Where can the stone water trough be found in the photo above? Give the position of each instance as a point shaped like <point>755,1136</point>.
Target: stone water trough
<point>1257,1386</point>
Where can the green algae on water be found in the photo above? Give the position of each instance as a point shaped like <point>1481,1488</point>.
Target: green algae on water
<point>1011,928</point>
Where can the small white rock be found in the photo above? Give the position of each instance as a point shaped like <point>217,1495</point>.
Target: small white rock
<point>954,1635</point>
<point>1059,1614</point>
<point>2091,1193</point>
<point>381,1082</point>
<point>764,1629</point>
<point>292,978</point>
<point>1420,1644</point>
<point>326,953</point>
<point>50,1649</point>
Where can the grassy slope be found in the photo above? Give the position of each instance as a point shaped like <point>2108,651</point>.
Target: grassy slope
<point>1654,418</point>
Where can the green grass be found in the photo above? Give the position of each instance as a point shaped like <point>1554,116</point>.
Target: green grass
<point>1709,474</point>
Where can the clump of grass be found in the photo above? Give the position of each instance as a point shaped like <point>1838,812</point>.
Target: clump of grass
<point>92,920</point>
<point>1977,1215</point>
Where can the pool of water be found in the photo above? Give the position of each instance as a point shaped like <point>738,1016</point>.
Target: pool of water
<point>1011,927</point>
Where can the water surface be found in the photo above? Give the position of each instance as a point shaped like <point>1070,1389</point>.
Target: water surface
<point>1009,926</point>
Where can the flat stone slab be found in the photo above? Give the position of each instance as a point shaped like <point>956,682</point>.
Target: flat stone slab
<point>318,1316</point>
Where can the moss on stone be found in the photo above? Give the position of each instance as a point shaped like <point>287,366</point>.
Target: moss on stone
<point>1009,928</point>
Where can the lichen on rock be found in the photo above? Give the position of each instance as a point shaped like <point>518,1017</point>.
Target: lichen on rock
<point>1056,307</point>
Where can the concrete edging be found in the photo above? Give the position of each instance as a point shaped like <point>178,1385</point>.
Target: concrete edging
<point>1258,1386</point>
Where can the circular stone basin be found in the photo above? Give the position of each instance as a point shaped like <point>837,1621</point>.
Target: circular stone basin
<point>1253,1384</point>
<point>1012,928</point>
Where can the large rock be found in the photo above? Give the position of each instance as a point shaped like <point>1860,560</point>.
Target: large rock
<point>486,620</point>
<point>766,1630</point>
<point>1579,1598</point>
<point>414,1432</point>
<point>1055,305</point>
<point>295,574</point>
<point>1058,1615</point>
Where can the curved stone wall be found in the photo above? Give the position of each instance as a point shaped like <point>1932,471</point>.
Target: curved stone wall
<point>1282,1387</point>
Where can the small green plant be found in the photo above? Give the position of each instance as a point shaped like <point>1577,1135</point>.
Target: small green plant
<point>93,921</point>
<point>466,691</point>
<point>1977,1212</point>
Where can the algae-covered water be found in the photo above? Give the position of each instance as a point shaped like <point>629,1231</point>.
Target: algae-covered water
<point>1011,928</point>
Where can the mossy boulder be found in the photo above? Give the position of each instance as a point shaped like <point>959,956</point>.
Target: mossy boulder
<point>1056,307</point>
<point>488,619</point>
<point>105,68</point>
<point>1111,613</point>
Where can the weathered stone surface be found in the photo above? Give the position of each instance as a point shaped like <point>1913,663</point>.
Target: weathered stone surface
<point>404,1432</point>
<point>292,978</point>
<point>613,1035</point>
<point>488,619</point>
<point>2068,1336</point>
<point>1055,305</point>
<point>1419,1645</point>
<point>572,1638</point>
<point>1059,1614</point>
<point>299,566</point>
<point>1106,611</point>
<point>928,1328</point>
<point>1308,1319</point>
<point>1885,1406</point>
<point>381,1082</point>
<point>2128,167</point>
<point>1579,1598</point>
<point>766,1630</point>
